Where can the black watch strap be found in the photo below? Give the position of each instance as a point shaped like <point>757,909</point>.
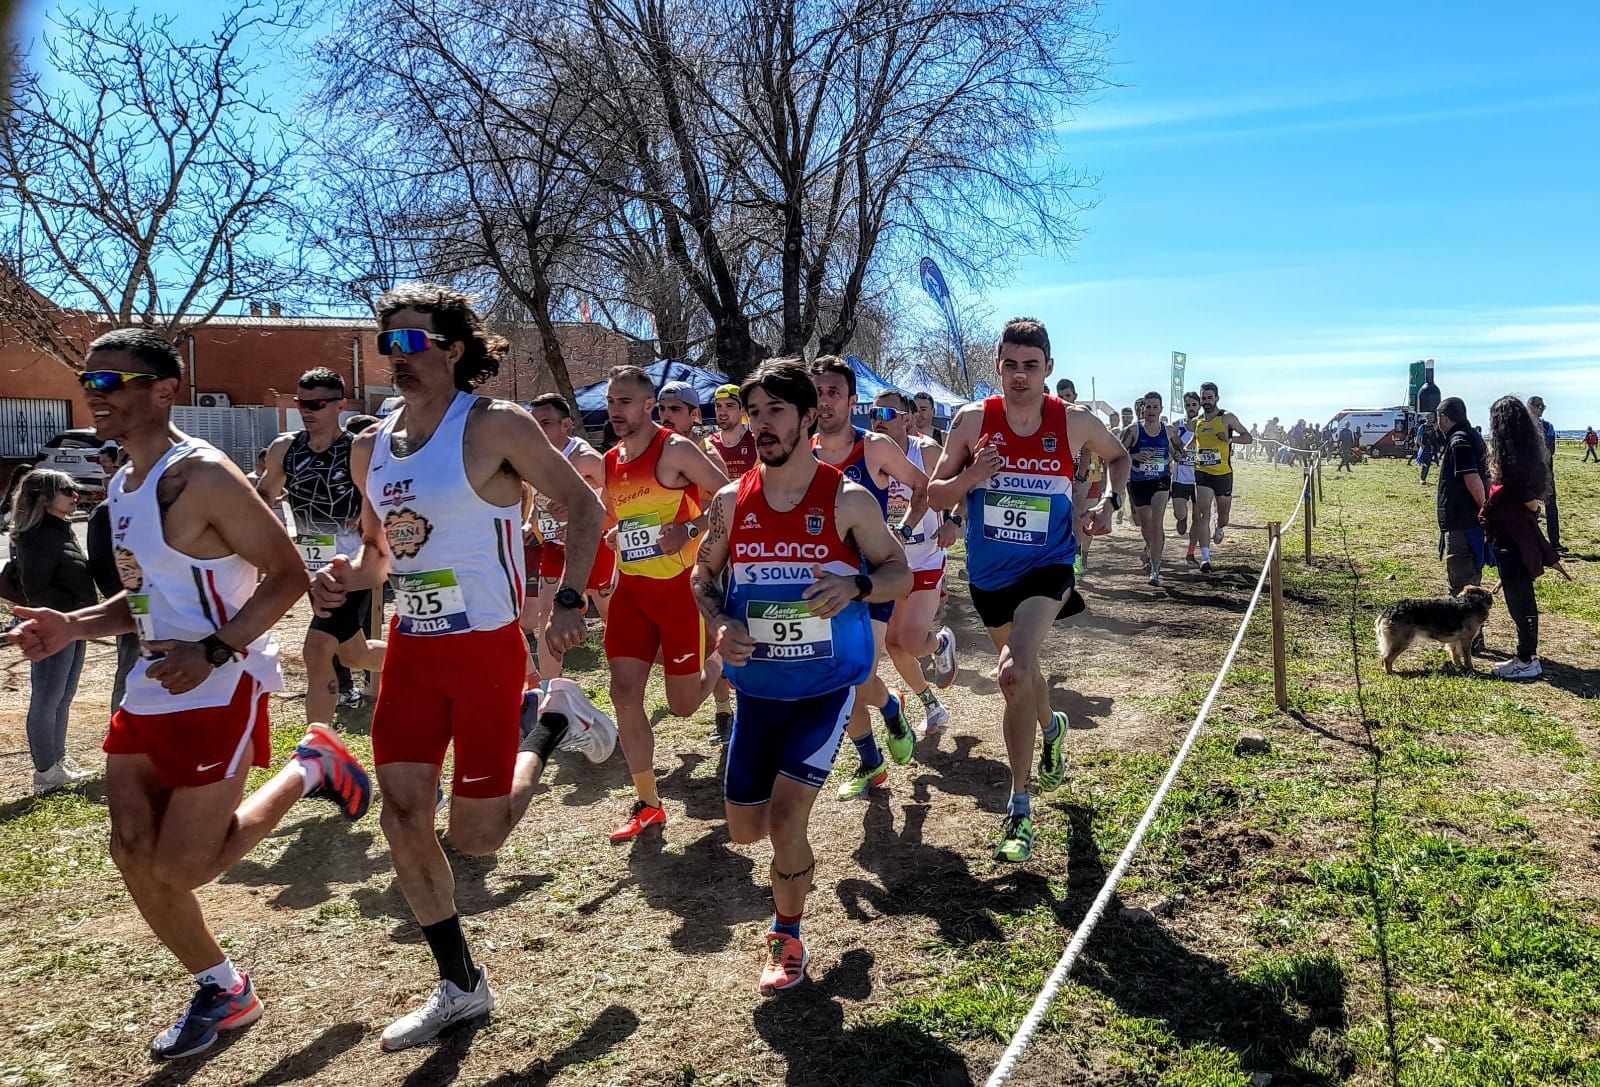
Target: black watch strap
<point>863,586</point>
<point>218,652</point>
<point>569,598</point>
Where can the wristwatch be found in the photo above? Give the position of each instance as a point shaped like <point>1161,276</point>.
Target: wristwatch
<point>953,518</point>
<point>218,652</point>
<point>905,532</point>
<point>569,598</point>
<point>1116,500</point>
<point>863,586</point>
<point>691,530</point>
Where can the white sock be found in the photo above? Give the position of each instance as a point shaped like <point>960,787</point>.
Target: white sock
<point>310,771</point>
<point>724,704</point>
<point>1205,552</point>
<point>223,976</point>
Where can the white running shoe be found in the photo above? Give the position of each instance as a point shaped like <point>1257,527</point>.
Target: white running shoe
<point>1515,669</point>
<point>936,720</point>
<point>445,1007</point>
<point>588,729</point>
<point>51,780</point>
<point>74,771</point>
<point>1216,537</point>
<point>1155,578</point>
<point>944,659</point>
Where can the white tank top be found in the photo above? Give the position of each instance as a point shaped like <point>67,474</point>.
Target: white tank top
<point>922,550</point>
<point>455,561</point>
<point>551,529</point>
<point>177,597</point>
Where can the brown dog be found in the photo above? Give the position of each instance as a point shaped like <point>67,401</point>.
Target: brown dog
<point>1455,620</point>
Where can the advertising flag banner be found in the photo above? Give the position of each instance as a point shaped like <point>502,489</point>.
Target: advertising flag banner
<point>933,282</point>
<point>1175,405</point>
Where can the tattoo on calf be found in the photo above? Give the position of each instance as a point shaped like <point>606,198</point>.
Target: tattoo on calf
<point>806,871</point>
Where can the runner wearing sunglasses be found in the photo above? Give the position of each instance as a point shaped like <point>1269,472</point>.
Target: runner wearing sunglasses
<point>911,634</point>
<point>876,463</point>
<point>442,481</point>
<point>313,466</point>
<point>206,572</point>
<point>1011,459</point>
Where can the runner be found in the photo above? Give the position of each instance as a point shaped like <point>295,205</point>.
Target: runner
<point>1183,471</point>
<point>206,572</point>
<point>678,404</point>
<point>911,633</point>
<point>876,463</point>
<point>653,480</point>
<point>1216,432</point>
<point>313,467</point>
<point>732,440</point>
<point>442,480</point>
<point>554,416</point>
<point>1150,444</point>
<point>1011,459</point>
<point>923,423</point>
<point>792,625</point>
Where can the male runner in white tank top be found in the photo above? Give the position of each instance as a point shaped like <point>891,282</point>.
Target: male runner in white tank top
<point>207,571</point>
<point>443,481</point>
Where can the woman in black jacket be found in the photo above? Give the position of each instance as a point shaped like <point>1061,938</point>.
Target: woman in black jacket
<point>55,574</point>
<point>1519,477</point>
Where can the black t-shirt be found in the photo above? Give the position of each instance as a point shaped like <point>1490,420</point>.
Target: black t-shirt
<point>1464,453</point>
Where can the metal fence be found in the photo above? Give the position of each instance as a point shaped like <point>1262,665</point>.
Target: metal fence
<point>25,424</point>
<point>239,432</point>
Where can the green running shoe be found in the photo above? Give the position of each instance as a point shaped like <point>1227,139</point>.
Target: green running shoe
<point>1077,565</point>
<point>863,781</point>
<point>1051,763</point>
<point>1016,840</point>
<point>902,741</point>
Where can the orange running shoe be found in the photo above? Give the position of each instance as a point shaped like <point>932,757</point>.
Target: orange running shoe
<point>344,782</point>
<point>639,819</point>
<point>787,959</point>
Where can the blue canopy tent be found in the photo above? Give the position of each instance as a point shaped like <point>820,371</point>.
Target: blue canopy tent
<point>592,398</point>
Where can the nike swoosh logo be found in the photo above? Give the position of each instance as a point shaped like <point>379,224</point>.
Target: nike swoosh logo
<point>480,777</point>
<point>208,766</point>
<point>680,660</point>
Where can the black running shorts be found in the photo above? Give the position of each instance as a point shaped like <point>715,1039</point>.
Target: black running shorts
<point>1184,491</point>
<point>344,622</point>
<point>997,607</point>
<point>1221,485</point>
<point>1142,491</point>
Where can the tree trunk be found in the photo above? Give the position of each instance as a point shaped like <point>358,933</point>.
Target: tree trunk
<point>737,353</point>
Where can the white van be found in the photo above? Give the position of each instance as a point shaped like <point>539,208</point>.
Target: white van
<point>1382,431</point>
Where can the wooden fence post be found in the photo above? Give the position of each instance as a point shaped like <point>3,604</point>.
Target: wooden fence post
<point>1280,677</point>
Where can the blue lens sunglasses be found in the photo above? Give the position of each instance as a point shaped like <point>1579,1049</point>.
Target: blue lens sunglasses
<point>407,341</point>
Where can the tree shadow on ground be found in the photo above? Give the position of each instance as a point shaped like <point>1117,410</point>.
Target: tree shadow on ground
<point>473,894</point>
<point>297,1067</point>
<point>806,1027</point>
<point>1290,1029</point>
<point>611,1027</point>
<point>706,885</point>
<point>919,879</point>
<point>1201,597</point>
<point>324,852</point>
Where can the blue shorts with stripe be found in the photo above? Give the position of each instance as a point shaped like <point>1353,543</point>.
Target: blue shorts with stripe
<point>797,739</point>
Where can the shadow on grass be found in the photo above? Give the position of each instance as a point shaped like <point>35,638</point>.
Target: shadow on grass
<point>806,1027</point>
<point>325,852</point>
<point>1583,682</point>
<point>298,1067</point>
<point>611,1027</point>
<point>473,894</point>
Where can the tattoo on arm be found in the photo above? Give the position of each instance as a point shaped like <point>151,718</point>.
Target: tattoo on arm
<point>790,876</point>
<point>707,592</point>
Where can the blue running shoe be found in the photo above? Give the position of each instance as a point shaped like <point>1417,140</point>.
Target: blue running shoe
<point>211,1011</point>
<point>344,782</point>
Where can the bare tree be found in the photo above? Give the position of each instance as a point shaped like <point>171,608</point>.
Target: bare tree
<point>153,188</point>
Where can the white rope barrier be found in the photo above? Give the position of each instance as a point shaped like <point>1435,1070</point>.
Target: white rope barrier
<point>1058,977</point>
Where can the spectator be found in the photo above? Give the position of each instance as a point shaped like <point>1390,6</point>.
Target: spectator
<point>1067,391</point>
<point>1552,514</point>
<point>922,419</point>
<point>17,476</point>
<point>1460,496</point>
<point>103,568</point>
<point>1347,441</point>
<point>1590,440</point>
<point>54,574</point>
<point>1520,478</point>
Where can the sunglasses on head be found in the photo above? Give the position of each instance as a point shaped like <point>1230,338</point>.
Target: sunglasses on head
<point>109,381</point>
<point>317,403</point>
<point>408,341</point>
<point>883,415</point>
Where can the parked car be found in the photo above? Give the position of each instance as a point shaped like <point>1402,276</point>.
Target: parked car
<point>73,452</point>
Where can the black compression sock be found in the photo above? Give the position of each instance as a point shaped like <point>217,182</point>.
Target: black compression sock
<point>542,737</point>
<point>449,946</point>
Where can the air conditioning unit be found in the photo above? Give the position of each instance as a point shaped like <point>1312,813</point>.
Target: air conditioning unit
<point>213,400</point>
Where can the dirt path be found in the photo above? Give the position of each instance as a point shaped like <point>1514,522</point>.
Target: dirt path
<point>629,966</point>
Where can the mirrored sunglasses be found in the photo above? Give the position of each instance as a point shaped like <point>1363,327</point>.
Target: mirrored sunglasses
<point>109,381</point>
<point>407,341</point>
<point>884,415</point>
<point>317,403</point>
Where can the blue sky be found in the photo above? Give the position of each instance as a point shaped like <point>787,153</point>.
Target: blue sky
<point>1307,197</point>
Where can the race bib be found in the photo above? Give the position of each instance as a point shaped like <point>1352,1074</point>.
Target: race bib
<point>785,630</point>
<point>429,602</point>
<point>639,538</point>
<point>1150,462</point>
<point>1209,458</point>
<point>550,530</point>
<point>316,551</point>
<point>139,604</point>
<point>1016,518</point>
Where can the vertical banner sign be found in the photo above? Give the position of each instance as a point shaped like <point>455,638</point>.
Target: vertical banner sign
<point>1175,405</point>
<point>933,282</point>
